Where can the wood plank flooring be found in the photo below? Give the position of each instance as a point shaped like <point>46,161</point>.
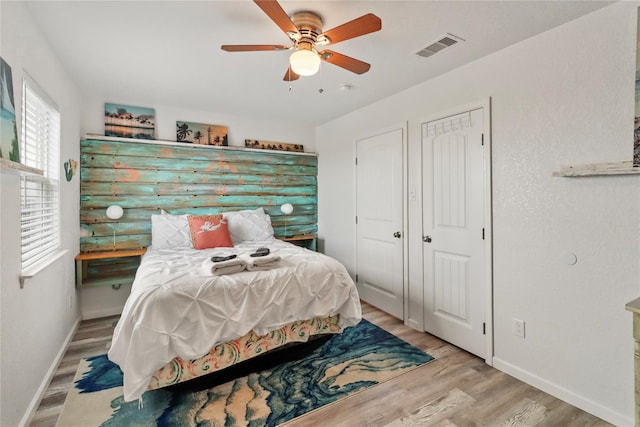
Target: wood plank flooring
<point>455,390</point>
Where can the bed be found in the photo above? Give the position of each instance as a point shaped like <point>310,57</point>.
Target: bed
<point>183,320</point>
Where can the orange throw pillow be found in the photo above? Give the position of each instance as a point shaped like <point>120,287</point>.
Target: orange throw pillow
<point>209,231</point>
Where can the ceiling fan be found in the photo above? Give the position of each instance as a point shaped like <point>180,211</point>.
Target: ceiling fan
<point>305,31</point>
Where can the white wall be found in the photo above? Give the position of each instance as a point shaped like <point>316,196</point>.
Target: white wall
<point>562,97</point>
<point>37,320</point>
<point>99,302</point>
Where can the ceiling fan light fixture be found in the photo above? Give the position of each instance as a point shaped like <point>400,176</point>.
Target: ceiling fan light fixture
<point>304,29</point>
<point>304,62</point>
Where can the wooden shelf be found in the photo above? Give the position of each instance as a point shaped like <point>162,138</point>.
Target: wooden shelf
<point>7,166</point>
<point>303,240</point>
<point>598,169</point>
<point>83,256</point>
<point>298,238</point>
<point>182,144</point>
<point>107,278</point>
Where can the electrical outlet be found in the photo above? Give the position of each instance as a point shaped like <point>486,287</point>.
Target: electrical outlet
<point>518,327</point>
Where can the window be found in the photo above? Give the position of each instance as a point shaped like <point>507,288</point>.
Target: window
<point>39,195</point>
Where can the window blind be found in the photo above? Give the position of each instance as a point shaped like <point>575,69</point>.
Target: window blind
<point>39,195</point>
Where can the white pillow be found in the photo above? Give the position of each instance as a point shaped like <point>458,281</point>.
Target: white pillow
<point>170,231</point>
<point>249,225</point>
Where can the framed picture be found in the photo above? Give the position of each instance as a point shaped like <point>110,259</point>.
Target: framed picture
<point>636,125</point>
<point>267,145</point>
<point>9,147</point>
<point>129,122</point>
<point>203,134</point>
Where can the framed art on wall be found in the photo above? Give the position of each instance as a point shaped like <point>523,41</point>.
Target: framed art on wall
<point>129,122</point>
<point>200,133</point>
<point>268,145</point>
<point>636,124</point>
<point>9,147</point>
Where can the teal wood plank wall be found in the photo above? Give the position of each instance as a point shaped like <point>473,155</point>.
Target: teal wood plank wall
<point>143,178</point>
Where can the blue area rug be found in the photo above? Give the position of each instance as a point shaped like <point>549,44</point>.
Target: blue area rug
<point>362,356</point>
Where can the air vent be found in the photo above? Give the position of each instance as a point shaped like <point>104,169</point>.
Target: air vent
<point>445,41</point>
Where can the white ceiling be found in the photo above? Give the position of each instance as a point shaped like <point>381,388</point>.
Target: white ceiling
<point>152,53</point>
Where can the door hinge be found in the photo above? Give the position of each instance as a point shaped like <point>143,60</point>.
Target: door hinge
<point>484,328</point>
<point>356,161</point>
<point>356,219</point>
<point>483,234</point>
<point>356,278</point>
<point>482,140</point>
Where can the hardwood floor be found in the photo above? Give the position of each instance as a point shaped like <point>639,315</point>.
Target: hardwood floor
<point>456,389</point>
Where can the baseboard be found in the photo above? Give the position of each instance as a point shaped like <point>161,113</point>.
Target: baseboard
<point>414,325</point>
<point>106,312</point>
<point>35,402</point>
<point>562,393</point>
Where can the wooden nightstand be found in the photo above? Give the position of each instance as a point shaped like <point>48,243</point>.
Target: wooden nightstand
<point>112,268</point>
<point>304,240</point>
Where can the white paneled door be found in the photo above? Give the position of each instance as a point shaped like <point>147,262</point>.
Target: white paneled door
<point>454,228</point>
<point>379,220</point>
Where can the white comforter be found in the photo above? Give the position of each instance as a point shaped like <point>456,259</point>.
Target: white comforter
<point>176,308</point>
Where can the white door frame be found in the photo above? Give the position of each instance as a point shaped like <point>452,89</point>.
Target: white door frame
<point>415,205</point>
<point>405,216</point>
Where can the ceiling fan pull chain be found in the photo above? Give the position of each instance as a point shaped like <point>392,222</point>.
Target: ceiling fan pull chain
<point>321,80</point>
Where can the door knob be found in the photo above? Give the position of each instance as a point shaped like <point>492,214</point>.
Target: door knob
<point>397,235</point>
<point>426,239</point>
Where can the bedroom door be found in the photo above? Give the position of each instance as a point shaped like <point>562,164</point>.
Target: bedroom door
<point>454,229</point>
<point>379,220</point>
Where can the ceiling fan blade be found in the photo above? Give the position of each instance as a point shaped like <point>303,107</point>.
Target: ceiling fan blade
<point>366,24</point>
<point>277,14</point>
<point>290,75</point>
<point>344,61</point>
<point>252,47</point>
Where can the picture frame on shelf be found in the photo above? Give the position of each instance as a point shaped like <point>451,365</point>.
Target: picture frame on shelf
<point>127,121</point>
<point>278,146</point>
<point>201,134</point>
<point>9,145</point>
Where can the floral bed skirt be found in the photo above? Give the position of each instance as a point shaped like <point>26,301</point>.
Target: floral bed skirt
<point>244,348</point>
